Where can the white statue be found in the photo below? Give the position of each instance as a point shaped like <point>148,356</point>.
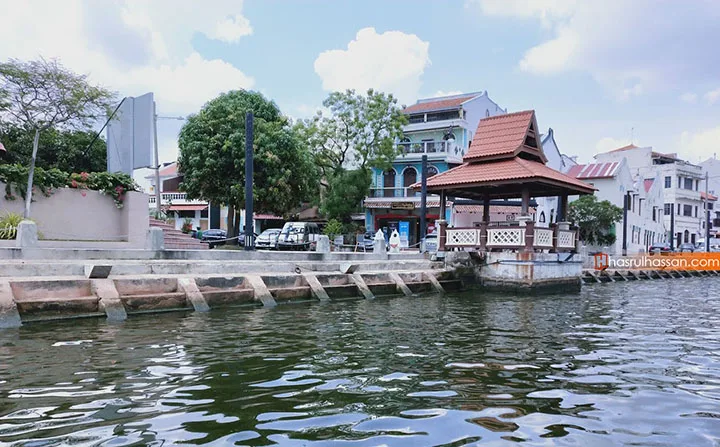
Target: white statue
<point>395,242</point>
<point>379,235</point>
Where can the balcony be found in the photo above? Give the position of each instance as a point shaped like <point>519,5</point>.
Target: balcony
<point>442,148</point>
<point>395,192</point>
<point>176,198</point>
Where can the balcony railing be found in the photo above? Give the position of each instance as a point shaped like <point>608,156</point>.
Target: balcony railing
<point>176,198</point>
<point>431,147</point>
<point>393,192</point>
<point>501,236</point>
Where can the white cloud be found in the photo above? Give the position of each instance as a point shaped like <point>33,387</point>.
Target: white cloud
<point>392,62</point>
<point>712,96</point>
<point>689,97</point>
<point>631,48</point>
<point>700,145</point>
<point>131,46</point>
<point>608,143</point>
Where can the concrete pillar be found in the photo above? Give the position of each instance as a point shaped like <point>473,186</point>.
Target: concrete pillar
<point>261,291</point>
<point>562,217</point>
<point>442,235</point>
<point>400,284</point>
<point>155,239</point>
<point>109,298</point>
<point>9,315</point>
<point>323,244</point>
<point>435,283</point>
<point>362,287</point>
<point>486,208</point>
<point>27,234</point>
<point>316,288</point>
<point>193,294</point>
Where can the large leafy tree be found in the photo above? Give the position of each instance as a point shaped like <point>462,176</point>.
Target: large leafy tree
<point>595,219</point>
<point>212,156</point>
<point>42,95</point>
<point>358,134</point>
<point>67,150</point>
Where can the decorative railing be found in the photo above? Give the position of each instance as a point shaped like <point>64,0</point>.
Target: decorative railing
<point>501,236</point>
<point>177,198</point>
<point>431,147</point>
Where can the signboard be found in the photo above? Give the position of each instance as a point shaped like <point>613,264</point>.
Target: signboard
<point>404,230</point>
<point>130,135</point>
<point>402,206</point>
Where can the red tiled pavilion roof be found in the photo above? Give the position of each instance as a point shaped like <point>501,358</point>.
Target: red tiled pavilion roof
<point>503,136</point>
<point>439,104</point>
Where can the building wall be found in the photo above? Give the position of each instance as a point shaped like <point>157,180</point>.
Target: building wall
<point>80,215</point>
<point>477,109</point>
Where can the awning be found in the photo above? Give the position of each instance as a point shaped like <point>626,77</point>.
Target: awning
<point>187,207</point>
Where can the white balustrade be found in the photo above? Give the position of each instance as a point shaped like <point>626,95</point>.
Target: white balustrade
<point>506,237</point>
<point>566,239</point>
<point>462,237</point>
<point>543,238</point>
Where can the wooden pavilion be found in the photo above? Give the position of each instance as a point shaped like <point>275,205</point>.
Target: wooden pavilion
<point>506,161</point>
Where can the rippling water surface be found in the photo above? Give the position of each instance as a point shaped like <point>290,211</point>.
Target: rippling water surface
<point>619,364</point>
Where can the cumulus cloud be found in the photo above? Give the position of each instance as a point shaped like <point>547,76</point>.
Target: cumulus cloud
<point>631,48</point>
<point>700,145</point>
<point>132,47</point>
<point>392,62</point>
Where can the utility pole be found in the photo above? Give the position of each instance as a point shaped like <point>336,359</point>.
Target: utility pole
<point>707,216</point>
<point>423,198</point>
<point>626,205</point>
<point>157,163</point>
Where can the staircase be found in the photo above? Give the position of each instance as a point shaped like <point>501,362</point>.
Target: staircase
<point>176,239</point>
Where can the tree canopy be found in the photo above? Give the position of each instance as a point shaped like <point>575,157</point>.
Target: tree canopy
<point>595,219</point>
<point>357,134</point>
<point>212,155</point>
<point>66,150</point>
<point>41,95</point>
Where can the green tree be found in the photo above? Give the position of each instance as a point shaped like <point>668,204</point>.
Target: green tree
<point>595,219</point>
<point>66,150</point>
<point>41,95</point>
<point>212,156</point>
<point>358,134</point>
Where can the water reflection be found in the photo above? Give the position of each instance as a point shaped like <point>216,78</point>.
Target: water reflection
<point>618,364</point>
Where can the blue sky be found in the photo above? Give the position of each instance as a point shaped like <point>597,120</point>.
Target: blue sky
<point>591,70</point>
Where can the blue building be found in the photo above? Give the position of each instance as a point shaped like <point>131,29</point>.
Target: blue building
<point>441,128</point>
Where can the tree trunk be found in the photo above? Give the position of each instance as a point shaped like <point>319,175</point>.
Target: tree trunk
<point>231,221</point>
<point>31,172</point>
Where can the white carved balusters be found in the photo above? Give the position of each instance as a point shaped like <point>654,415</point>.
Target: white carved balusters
<point>506,237</point>
<point>543,238</point>
<point>462,237</point>
<point>566,239</point>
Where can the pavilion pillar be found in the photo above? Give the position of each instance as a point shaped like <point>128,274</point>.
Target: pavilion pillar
<point>562,217</point>
<point>442,223</point>
<point>525,201</point>
<point>486,208</point>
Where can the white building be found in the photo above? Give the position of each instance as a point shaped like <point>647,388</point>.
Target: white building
<point>175,203</point>
<point>680,181</point>
<point>614,181</point>
<point>547,207</point>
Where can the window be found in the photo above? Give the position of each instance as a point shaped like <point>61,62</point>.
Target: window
<point>668,209</point>
<point>679,182</point>
<point>654,214</point>
<point>696,210</point>
<point>687,210</point>
<point>487,113</point>
<point>688,183</point>
<point>430,171</point>
<point>542,217</point>
<point>419,118</point>
<point>668,182</point>
<point>389,183</point>
<point>710,205</point>
<point>640,206</point>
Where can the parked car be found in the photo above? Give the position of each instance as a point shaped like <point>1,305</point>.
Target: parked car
<point>662,247</point>
<point>298,236</point>
<point>214,237</point>
<point>686,248</point>
<point>430,243</point>
<point>268,239</point>
<point>367,242</point>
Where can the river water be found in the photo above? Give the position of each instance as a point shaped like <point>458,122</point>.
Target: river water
<point>618,364</point>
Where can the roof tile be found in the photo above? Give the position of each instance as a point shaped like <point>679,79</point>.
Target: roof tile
<point>439,104</point>
<point>501,135</point>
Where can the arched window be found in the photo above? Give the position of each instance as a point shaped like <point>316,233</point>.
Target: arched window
<point>487,113</point>
<point>542,217</point>
<point>431,170</point>
<point>409,176</point>
<point>686,236</point>
<point>389,183</point>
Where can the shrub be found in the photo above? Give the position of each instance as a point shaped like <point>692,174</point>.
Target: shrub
<point>333,228</point>
<point>8,225</point>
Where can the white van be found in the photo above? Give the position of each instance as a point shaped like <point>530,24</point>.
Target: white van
<point>298,236</point>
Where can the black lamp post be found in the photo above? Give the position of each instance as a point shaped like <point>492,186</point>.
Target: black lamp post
<point>249,230</point>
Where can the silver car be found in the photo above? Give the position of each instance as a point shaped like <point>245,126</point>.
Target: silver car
<point>268,239</point>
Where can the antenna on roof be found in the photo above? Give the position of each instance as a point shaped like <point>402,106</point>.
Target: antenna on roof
<point>632,135</point>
